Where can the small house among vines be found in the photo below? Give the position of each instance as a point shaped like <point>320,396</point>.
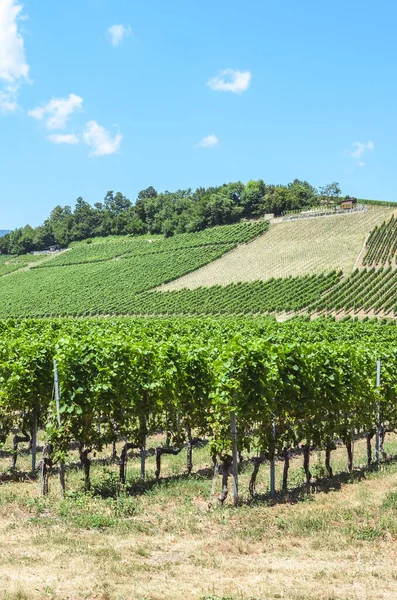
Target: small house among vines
<point>348,203</point>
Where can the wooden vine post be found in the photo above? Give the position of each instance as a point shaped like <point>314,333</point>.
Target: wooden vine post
<point>273,463</point>
<point>235,458</point>
<point>58,405</point>
<point>377,438</point>
<point>34,441</point>
<point>214,478</point>
<point>143,447</point>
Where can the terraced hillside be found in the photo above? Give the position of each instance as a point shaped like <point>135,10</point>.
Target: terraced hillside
<point>296,267</point>
<point>104,278</point>
<point>292,248</point>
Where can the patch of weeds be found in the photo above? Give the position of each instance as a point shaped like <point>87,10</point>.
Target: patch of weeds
<point>296,478</point>
<point>84,512</point>
<point>92,521</point>
<point>143,551</point>
<point>309,524</point>
<point>40,521</point>
<point>108,486</point>
<point>123,506</point>
<point>366,533</point>
<point>390,502</point>
<point>318,471</point>
<point>282,524</point>
<point>38,506</point>
<point>8,496</point>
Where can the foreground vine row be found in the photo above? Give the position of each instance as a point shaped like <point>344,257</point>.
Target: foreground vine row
<point>125,379</point>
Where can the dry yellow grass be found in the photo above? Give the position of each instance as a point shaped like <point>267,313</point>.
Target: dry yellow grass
<point>339,545</point>
<point>292,248</point>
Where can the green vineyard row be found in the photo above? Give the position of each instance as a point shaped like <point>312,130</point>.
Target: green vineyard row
<point>97,288</point>
<point>364,290</point>
<point>124,287</point>
<point>107,250</point>
<point>274,295</point>
<point>381,247</point>
<point>10,264</point>
<point>308,384</point>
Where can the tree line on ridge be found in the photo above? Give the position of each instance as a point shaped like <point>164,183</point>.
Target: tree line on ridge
<point>166,213</point>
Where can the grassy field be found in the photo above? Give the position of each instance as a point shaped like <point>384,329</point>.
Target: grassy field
<point>292,248</point>
<point>161,542</point>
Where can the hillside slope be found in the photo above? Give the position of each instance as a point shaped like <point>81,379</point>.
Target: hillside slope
<point>292,248</point>
<point>300,266</point>
<point>105,277</point>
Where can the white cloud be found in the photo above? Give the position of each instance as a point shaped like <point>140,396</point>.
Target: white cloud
<point>208,142</point>
<point>8,98</point>
<point>359,149</point>
<point>231,81</point>
<point>13,65</point>
<point>59,138</point>
<point>118,33</point>
<point>57,111</point>
<point>101,141</point>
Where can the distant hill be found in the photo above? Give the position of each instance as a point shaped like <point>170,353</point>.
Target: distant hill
<point>304,265</point>
<point>4,231</point>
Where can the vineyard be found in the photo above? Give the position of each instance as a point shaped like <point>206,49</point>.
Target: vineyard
<point>129,276</point>
<point>15,263</point>
<point>381,247</point>
<point>227,236</point>
<point>118,459</point>
<point>291,294</point>
<point>129,379</point>
<point>366,291</point>
<point>290,249</point>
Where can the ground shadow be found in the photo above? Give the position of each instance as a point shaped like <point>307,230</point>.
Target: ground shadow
<point>137,487</point>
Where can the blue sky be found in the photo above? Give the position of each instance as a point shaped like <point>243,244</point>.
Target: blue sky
<point>99,95</point>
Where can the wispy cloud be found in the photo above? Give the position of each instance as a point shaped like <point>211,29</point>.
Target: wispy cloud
<point>100,141</point>
<point>13,64</point>
<point>118,33</point>
<point>57,111</point>
<point>8,98</point>
<point>358,151</point>
<point>208,142</point>
<point>59,138</point>
<point>230,80</point>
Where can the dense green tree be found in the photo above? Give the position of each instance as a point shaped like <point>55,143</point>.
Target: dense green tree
<point>330,193</point>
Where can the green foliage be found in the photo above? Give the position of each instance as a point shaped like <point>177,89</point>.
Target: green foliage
<point>10,264</point>
<point>366,289</point>
<point>381,247</point>
<point>106,287</point>
<point>87,280</point>
<point>104,250</point>
<point>274,295</point>
<point>287,384</point>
